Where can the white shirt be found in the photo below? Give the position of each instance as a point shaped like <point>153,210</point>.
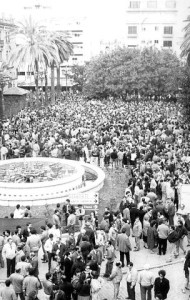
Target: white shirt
<point>9,250</point>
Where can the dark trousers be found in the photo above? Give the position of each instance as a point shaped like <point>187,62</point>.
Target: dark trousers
<point>130,291</point>
<point>162,246</point>
<point>171,220</point>
<point>109,267</point>
<point>21,295</point>
<point>127,255</point>
<point>49,260</point>
<point>146,290</point>
<point>10,266</point>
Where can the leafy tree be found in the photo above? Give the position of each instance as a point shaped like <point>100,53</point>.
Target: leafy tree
<point>185,46</point>
<point>78,77</point>
<point>4,79</point>
<point>132,71</point>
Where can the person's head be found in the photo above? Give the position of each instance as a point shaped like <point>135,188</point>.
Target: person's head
<point>130,265</point>
<point>28,207</point>
<point>17,269</point>
<point>7,282</point>
<point>180,223</point>
<point>31,272</point>
<point>7,232</point>
<point>118,264</point>
<point>162,274</point>
<point>9,240</point>
<point>33,231</point>
<point>11,215</point>
<point>32,295</point>
<point>23,258</point>
<point>17,206</point>
<point>68,201</point>
<point>51,236</point>
<point>42,228</point>
<point>49,225</point>
<point>48,276</point>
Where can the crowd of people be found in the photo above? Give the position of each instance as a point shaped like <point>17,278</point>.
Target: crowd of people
<point>148,139</point>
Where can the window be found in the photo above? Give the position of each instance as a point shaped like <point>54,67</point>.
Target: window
<point>142,42</point>
<point>170,4</point>
<point>132,29</point>
<point>74,58</point>
<point>168,30</point>
<point>76,34</point>
<point>134,4</point>
<point>167,44</point>
<point>21,73</point>
<point>156,28</point>
<point>156,42</point>
<point>152,4</point>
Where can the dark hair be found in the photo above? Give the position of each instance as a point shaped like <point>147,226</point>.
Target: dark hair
<point>18,206</point>
<point>48,275</point>
<point>49,225</point>
<point>31,271</point>
<point>130,264</point>
<point>51,235</point>
<point>28,207</point>
<point>33,231</point>
<point>12,215</point>
<point>43,227</point>
<point>162,272</point>
<point>23,258</point>
<point>7,282</point>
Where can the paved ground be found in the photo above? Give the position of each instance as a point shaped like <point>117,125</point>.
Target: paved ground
<point>174,272</point>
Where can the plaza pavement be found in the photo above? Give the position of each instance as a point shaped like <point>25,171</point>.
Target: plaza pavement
<point>174,272</point>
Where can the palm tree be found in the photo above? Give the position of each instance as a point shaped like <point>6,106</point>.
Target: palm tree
<point>185,46</point>
<point>32,49</point>
<point>65,49</point>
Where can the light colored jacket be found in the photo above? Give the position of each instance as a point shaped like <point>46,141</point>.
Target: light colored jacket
<point>137,229</point>
<point>123,243</point>
<point>116,275</point>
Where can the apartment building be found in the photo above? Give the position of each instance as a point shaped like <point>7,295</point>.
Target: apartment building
<point>155,23</point>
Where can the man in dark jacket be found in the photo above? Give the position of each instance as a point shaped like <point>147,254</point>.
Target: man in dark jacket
<point>161,284</point>
<point>68,266</point>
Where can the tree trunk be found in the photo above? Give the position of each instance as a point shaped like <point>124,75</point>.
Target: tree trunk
<point>58,83</point>
<point>36,76</point>
<point>46,87</point>
<point>52,84</point>
<point>1,106</point>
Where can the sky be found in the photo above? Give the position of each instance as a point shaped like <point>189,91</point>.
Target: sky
<point>104,17</point>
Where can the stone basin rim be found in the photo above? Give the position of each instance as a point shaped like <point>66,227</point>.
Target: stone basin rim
<point>12,185</point>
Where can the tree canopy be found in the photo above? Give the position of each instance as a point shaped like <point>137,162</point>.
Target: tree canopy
<point>133,71</point>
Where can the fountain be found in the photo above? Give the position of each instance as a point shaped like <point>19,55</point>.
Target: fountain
<point>41,181</point>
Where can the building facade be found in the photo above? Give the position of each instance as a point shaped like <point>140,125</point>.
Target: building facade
<point>155,23</point>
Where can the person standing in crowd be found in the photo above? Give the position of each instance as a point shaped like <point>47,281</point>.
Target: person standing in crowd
<point>49,249</point>
<point>146,281</point>
<point>186,271</point>
<point>124,247</point>
<point>9,253</point>
<point>161,285</point>
<point>110,259</point>
<point>8,293</point>
<point>137,232</point>
<point>187,226</point>
<point>17,282</point>
<point>131,279</point>
<point>163,232</point>
<point>67,209</point>
<point>80,213</point>
<point>48,287</point>
<point>30,284</point>
<point>34,241</point>
<point>116,276</point>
